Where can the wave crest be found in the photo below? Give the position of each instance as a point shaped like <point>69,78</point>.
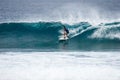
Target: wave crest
<point>46,33</point>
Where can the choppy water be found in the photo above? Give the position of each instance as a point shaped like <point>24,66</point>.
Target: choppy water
<point>59,65</point>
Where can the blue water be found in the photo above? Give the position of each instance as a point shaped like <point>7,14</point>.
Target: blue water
<point>37,24</point>
<point>29,40</point>
<point>45,36</point>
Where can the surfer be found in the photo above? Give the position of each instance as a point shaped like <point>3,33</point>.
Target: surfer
<point>66,32</point>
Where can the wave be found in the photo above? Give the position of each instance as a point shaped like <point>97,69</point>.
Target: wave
<point>46,34</point>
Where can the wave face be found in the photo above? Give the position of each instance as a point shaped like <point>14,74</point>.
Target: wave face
<point>45,35</point>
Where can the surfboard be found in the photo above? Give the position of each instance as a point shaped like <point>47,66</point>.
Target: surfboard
<point>61,38</point>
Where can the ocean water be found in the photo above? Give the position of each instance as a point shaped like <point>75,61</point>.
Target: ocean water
<point>59,65</point>
<point>32,51</point>
<point>29,40</point>
<point>44,36</point>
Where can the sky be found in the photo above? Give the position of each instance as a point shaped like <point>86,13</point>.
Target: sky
<point>62,10</point>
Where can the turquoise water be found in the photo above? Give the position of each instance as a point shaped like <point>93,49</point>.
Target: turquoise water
<point>29,40</point>
<point>45,36</point>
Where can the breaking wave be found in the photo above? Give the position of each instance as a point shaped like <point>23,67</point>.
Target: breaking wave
<point>46,34</point>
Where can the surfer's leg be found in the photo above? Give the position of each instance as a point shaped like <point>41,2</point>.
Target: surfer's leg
<point>65,35</point>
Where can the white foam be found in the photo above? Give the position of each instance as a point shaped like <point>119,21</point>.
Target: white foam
<point>103,32</point>
<point>59,66</point>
